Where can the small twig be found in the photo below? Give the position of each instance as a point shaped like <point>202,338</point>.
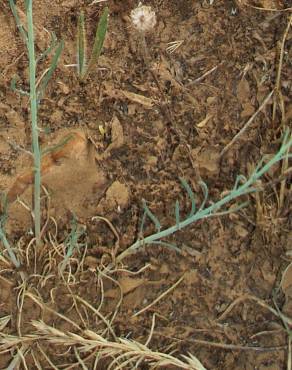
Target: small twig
<point>279,97</point>
<point>260,302</point>
<point>151,330</point>
<point>289,360</point>
<point>142,269</point>
<point>199,79</point>
<point>118,305</point>
<point>79,359</point>
<point>114,231</point>
<point>287,329</point>
<point>232,347</point>
<point>20,301</point>
<point>43,306</point>
<point>286,175</point>
<point>160,297</point>
<point>265,9</point>
<point>266,332</point>
<point>284,171</point>
<point>97,2</point>
<point>46,357</point>
<point>98,314</point>
<point>248,123</point>
<point>279,71</point>
<point>75,303</point>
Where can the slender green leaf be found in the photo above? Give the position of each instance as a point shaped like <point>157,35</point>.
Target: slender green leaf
<point>53,44</point>
<point>27,3</point>
<point>9,249</point>
<point>168,245</point>
<point>99,39</point>
<point>177,216</point>
<point>142,223</point>
<point>260,164</point>
<point>190,192</point>
<point>239,179</point>
<point>18,21</point>
<point>152,217</point>
<point>3,208</point>
<point>71,241</point>
<point>50,149</point>
<point>205,192</point>
<point>50,71</point>
<point>231,210</point>
<point>287,137</point>
<point>81,46</point>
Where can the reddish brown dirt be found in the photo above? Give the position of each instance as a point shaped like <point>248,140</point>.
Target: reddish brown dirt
<point>150,136</point>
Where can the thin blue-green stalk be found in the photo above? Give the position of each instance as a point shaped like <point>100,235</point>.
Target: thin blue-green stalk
<point>34,95</point>
<point>211,211</point>
<point>7,246</point>
<point>29,41</point>
<point>34,125</point>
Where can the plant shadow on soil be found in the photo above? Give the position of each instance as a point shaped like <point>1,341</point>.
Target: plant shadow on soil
<point>138,155</point>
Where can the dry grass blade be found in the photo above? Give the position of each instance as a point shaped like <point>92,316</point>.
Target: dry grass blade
<point>45,307</point>
<point>5,261</point>
<point>260,302</point>
<point>36,361</point>
<point>278,95</point>
<point>124,348</point>
<point>8,342</point>
<point>113,230</point>
<point>265,8</point>
<point>248,123</point>
<point>97,2</point>
<point>4,321</point>
<point>289,361</point>
<point>46,357</point>
<point>160,297</point>
<point>98,314</point>
<point>118,305</point>
<point>278,100</point>
<point>172,46</point>
<point>14,364</point>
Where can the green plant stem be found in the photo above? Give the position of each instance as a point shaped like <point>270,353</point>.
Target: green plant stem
<point>35,95</point>
<point>11,254</point>
<point>210,211</point>
<point>34,126</point>
<point>82,68</point>
<point>6,244</point>
<point>18,22</point>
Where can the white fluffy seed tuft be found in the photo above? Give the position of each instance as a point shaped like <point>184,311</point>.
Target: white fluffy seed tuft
<point>143,18</point>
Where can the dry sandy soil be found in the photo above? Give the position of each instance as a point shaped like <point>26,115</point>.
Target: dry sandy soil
<point>137,128</point>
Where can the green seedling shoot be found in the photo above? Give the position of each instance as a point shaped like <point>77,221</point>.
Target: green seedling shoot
<point>35,94</point>
<point>82,67</point>
<point>243,186</point>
